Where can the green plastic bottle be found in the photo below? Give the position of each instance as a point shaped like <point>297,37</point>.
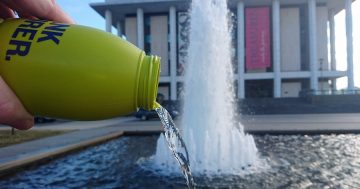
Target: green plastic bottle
<point>75,72</point>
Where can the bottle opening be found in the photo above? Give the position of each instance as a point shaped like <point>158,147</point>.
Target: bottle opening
<point>148,82</point>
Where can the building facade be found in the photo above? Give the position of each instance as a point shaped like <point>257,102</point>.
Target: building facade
<point>281,48</point>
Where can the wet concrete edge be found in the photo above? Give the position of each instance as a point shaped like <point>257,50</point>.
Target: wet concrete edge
<point>9,168</point>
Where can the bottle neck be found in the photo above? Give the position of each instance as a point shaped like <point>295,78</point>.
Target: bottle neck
<point>148,82</point>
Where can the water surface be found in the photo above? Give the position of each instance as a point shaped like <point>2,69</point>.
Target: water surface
<point>296,161</point>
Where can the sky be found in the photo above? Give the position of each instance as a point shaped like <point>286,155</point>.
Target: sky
<point>82,13</point>
<point>85,15</point>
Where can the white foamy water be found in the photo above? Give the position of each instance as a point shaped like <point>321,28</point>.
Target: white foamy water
<point>215,140</point>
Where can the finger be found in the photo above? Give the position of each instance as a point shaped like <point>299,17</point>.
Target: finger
<point>27,16</point>
<point>12,112</point>
<point>44,9</point>
<point>5,12</point>
<point>58,15</point>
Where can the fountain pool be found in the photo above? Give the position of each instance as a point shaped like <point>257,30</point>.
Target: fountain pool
<point>295,161</point>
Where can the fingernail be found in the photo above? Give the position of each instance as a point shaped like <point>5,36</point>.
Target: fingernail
<point>28,124</point>
<point>24,124</point>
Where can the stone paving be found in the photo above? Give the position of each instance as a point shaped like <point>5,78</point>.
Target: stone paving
<point>75,125</point>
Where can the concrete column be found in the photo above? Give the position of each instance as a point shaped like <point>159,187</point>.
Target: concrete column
<point>108,20</point>
<point>349,40</point>
<point>140,28</point>
<point>332,45</point>
<point>173,58</point>
<point>119,28</point>
<point>241,49</point>
<point>276,47</point>
<point>314,83</point>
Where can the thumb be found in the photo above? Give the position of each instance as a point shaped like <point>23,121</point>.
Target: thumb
<point>12,112</point>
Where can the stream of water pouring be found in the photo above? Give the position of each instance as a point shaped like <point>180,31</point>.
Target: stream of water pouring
<point>216,141</point>
<point>176,144</point>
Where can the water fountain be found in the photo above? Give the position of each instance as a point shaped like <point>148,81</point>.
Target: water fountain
<point>216,142</point>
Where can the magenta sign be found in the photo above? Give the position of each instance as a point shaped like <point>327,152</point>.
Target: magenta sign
<point>257,38</point>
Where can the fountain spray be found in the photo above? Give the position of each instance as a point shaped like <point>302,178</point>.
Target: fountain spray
<point>217,143</point>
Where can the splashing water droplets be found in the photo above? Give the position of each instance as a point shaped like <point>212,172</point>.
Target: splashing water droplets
<point>216,140</point>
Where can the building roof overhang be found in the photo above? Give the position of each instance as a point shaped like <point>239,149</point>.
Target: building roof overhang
<point>121,8</point>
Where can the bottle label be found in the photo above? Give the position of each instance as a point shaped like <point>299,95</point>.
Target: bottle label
<point>34,31</point>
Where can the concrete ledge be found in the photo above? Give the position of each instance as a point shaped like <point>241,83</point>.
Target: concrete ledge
<point>11,166</point>
<point>302,132</point>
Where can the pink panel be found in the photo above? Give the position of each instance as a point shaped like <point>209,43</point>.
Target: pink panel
<point>257,38</point>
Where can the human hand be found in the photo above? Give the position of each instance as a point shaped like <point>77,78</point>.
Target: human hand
<point>12,112</point>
